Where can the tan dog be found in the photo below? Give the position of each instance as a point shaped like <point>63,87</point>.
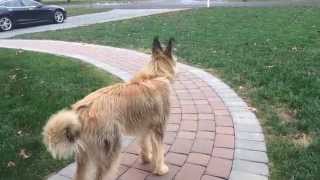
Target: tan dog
<point>92,128</point>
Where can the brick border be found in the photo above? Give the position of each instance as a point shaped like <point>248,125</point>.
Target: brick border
<point>211,132</point>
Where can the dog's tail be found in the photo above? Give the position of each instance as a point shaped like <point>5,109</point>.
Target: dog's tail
<point>61,133</point>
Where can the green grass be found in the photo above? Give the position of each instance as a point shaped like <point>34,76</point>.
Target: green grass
<point>32,87</point>
<point>75,11</point>
<point>270,56</point>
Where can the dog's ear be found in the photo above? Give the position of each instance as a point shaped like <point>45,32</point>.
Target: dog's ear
<point>168,51</point>
<point>156,46</point>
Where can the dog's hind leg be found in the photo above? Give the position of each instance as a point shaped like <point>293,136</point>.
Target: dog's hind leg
<point>146,147</point>
<point>160,168</point>
<point>109,156</point>
<point>85,167</point>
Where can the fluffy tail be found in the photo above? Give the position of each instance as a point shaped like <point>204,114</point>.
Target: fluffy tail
<point>61,133</point>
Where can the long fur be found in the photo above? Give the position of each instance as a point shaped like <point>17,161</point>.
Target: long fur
<point>61,133</point>
<point>92,128</point>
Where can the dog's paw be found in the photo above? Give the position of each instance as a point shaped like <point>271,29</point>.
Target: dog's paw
<point>162,170</point>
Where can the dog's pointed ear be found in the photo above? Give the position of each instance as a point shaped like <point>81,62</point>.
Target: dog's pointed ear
<point>156,46</point>
<point>169,48</point>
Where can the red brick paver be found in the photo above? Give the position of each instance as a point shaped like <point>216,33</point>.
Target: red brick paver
<point>219,167</point>
<point>190,172</point>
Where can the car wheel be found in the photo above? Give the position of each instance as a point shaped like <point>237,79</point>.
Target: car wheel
<point>58,16</point>
<point>6,24</point>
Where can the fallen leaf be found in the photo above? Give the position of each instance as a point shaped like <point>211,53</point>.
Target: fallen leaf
<point>12,77</point>
<point>302,139</point>
<point>24,154</point>
<point>19,52</point>
<point>252,109</point>
<point>11,164</point>
<point>19,132</point>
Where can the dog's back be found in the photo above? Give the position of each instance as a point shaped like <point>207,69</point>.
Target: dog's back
<point>134,105</point>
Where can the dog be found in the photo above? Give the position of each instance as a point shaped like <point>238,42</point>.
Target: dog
<point>91,129</point>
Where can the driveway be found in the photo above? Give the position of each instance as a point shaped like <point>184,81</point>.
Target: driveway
<point>84,20</point>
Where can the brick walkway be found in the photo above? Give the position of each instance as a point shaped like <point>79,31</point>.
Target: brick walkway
<point>211,134</point>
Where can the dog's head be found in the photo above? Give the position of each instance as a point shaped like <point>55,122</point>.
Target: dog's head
<point>163,62</point>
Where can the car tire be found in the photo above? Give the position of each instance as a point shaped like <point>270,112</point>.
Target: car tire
<point>58,17</point>
<point>6,24</point>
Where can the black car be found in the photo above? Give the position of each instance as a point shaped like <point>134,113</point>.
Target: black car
<point>23,12</point>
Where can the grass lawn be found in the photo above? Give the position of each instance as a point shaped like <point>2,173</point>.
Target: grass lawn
<point>75,11</point>
<point>32,87</point>
<point>270,56</point>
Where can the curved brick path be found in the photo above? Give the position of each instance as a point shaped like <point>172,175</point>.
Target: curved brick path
<point>211,134</point>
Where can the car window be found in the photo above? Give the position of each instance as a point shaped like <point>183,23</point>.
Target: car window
<point>11,3</point>
<point>30,3</point>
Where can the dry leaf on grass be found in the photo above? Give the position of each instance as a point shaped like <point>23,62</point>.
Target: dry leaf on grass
<point>252,109</point>
<point>12,77</point>
<point>19,52</point>
<point>302,139</point>
<point>24,154</point>
<point>19,132</point>
<point>11,164</point>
